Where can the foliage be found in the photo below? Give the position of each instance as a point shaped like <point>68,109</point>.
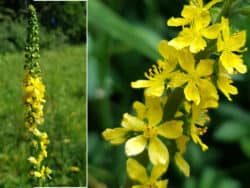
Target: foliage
<point>61,22</point>
<point>63,74</point>
<point>111,70</point>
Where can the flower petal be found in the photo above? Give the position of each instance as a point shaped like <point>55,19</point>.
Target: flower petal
<point>183,40</point>
<point>157,172</point>
<point>230,61</point>
<point>140,109</point>
<point>186,61</point>
<point>177,80</point>
<point>176,22</point>
<point>135,145</point>
<point>136,171</point>
<point>182,164</point>
<point>115,136</point>
<point>171,129</point>
<point>158,152</point>
<point>205,67</point>
<point>154,112</point>
<point>212,31</point>
<point>192,93</point>
<point>181,143</point>
<point>162,184</point>
<point>197,44</point>
<point>237,41</point>
<point>224,84</point>
<point>133,123</point>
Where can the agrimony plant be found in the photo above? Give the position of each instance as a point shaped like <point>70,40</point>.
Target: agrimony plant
<point>34,100</point>
<point>178,91</point>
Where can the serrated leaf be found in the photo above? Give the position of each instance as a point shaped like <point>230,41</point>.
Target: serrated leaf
<point>231,131</point>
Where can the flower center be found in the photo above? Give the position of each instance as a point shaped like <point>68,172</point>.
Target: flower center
<point>150,131</point>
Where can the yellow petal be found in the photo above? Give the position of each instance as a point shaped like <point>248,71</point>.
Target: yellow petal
<point>140,109</point>
<point>182,164</point>
<point>156,89</point>
<point>176,22</point>
<point>225,28</point>
<point>212,31</point>
<point>135,145</point>
<point>186,61</point>
<point>168,52</point>
<point>158,152</point>
<point>231,61</point>
<point>177,79</point>
<point>192,93</point>
<point>171,129</point>
<point>136,171</point>
<point>157,172</point>
<point>237,41</point>
<point>183,40</point>
<point>197,44</point>
<point>154,112</point>
<point>224,84</point>
<point>132,123</point>
<point>141,84</point>
<point>162,184</point>
<point>181,143</point>
<point>189,12</point>
<point>115,136</point>
<point>205,67</point>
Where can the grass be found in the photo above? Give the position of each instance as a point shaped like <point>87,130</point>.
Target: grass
<point>63,72</point>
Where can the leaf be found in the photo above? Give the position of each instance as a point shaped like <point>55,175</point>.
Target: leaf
<point>245,146</point>
<point>208,178</point>
<point>244,10</point>
<point>235,112</point>
<point>228,183</point>
<point>231,131</point>
<point>104,19</point>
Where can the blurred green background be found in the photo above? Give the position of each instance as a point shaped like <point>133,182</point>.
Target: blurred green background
<point>122,41</point>
<point>62,44</point>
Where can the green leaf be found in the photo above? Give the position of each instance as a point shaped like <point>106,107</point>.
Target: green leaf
<point>245,146</point>
<point>244,10</point>
<point>231,131</point>
<point>208,178</point>
<point>228,183</point>
<point>104,19</point>
<point>190,183</point>
<point>234,112</point>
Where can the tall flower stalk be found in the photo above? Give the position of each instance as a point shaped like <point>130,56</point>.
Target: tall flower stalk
<point>178,92</point>
<point>34,99</point>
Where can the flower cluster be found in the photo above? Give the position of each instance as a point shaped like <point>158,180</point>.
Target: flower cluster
<point>34,91</point>
<point>179,90</point>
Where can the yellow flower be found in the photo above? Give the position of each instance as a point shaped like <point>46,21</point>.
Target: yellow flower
<point>181,163</point>
<point>74,169</point>
<point>190,12</point>
<point>43,173</point>
<point>197,128</point>
<point>224,84</point>
<point>198,17</point>
<point>197,78</point>
<point>137,172</point>
<point>230,46</point>
<point>159,73</point>
<point>147,126</point>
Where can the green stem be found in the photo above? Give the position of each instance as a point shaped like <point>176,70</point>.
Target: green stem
<point>225,10</point>
<point>173,103</point>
